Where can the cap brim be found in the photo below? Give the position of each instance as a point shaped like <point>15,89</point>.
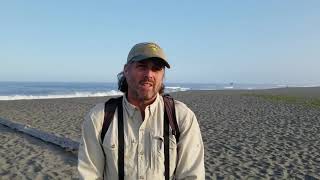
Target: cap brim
<point>142,58</point>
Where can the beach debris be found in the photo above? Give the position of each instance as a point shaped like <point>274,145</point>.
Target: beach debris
<point>56,139</point>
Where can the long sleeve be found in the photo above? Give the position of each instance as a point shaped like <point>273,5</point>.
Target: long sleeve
<point>91,158</point>
<point>190,164</point>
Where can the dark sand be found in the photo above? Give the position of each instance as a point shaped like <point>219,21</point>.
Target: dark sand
<point>245,136</point>
<point>25,157</point>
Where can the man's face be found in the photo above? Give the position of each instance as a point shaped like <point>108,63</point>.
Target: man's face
<point>144,79</point>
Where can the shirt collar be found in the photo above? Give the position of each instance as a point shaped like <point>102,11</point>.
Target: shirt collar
<point>131,109</point>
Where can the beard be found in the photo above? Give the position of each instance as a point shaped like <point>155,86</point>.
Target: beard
<point>147,90</point>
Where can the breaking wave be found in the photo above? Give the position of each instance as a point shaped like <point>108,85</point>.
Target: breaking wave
<point>55,96</point>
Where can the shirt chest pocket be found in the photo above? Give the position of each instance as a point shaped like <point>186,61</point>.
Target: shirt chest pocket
<point>111,152</point>
<point>111,157</point>
<point>157,153</point>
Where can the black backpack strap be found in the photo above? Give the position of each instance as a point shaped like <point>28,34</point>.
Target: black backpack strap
<point>109,109</point>
<point>166,145</point>
<point>120,141</point>
<point>171,110</point>
<point>169,121</point>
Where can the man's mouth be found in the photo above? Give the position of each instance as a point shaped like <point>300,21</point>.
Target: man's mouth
<point>146,84</point>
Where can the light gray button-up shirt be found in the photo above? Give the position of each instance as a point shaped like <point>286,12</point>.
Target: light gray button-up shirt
<point>144,144</point>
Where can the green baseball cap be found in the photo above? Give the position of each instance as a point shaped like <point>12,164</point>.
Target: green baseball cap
<point>147,50</point>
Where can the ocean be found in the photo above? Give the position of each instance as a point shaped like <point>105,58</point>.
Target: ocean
<point>50,90</point>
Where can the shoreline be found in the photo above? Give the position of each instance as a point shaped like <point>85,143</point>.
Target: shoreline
<point>280,90</point>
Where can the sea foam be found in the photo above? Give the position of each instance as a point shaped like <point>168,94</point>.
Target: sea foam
<point>55,96</point>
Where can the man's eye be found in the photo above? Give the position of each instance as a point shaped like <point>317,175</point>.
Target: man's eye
<point>156,68</point>
<point>141,66</point>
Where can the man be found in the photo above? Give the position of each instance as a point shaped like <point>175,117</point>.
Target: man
<point>143,132</point>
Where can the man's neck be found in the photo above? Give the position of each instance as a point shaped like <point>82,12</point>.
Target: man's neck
<point>140,103</point>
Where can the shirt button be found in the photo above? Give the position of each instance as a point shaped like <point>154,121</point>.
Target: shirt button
<point>141,177</point>
<point>141,153</point>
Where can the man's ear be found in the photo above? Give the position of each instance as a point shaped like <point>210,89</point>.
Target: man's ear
<point>125,69</point>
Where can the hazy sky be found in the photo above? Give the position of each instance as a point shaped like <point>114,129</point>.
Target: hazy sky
<point>243,41</point>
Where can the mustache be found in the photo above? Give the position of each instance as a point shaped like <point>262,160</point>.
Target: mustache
<point>146,81</point>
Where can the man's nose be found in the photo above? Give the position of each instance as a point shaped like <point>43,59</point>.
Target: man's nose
<point>149,72</point>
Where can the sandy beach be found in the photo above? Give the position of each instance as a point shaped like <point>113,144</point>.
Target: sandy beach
<point>24,157</point>
<point>260,134</point>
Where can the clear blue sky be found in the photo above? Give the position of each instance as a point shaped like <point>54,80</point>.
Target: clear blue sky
<point>245,41</point>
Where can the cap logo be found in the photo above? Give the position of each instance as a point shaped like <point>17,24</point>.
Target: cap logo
<point>153,48</point>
